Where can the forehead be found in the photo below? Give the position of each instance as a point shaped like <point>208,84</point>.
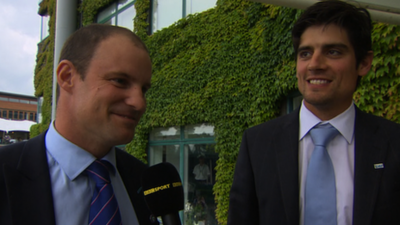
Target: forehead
<point>117,42</point>
<point>118,54</point>
<point>119,48</point>
<point>324,35</point>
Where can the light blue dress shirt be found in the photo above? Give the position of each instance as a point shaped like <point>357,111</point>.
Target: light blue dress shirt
<point>72,189</point>
<point>341,151</point>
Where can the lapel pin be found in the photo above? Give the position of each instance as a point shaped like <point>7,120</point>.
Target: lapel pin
<point>378,166</point>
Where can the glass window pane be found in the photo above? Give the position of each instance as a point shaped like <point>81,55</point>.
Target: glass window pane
<point>31,116</point>
<point>110,21</point>
<point>199,131</point>
<point>21,115</point>
<point>123,3</point>
<point>196,6</point>
<point>105,13</point>
<point>4,114</point>
<point>45,27</point>
<point>165,133</point>
<point>165,153</point>
<point>15,115</point>
<point>10,114</point>
<point>125,18</point>
<point>3,99</point>
<point>13,100</point>
<point>199,181</point>
<point>165,13</point>
<point>24,101</point>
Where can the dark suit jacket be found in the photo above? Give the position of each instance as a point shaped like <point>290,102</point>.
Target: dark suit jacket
<point>265,186</point>
<point>25,187</point>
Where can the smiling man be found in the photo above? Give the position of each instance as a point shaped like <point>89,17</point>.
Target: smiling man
<point>72,173</point>
<point>327,163</point>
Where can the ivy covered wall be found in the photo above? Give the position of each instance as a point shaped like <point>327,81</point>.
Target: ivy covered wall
<point>231,66</point>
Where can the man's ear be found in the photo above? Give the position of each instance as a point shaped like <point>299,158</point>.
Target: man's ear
<point>66,75</point>
<point>365,65</point>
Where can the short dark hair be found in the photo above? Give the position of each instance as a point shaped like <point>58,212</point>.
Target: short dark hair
<point>354,20</point>
<point>82,44</point>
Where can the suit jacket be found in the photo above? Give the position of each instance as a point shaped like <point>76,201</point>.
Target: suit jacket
<point>265,186</point>
<point>25,186</point>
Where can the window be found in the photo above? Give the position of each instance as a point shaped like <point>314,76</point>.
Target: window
<point>120,14</point>
<point>44,29</point>
<point>31,116</point>
<point>167,12</point>
<point>13,100</point>
<point>293,101</point>
<point>191,149</point>
<point>3,99</point>
<point>10,114</point>
<point>25,116</point>
<point>4,113</point>
<point>15,115</point>
<point>39,109</point>
<point>196,6</point>
<point>21,115</point>
<point>1,115</point>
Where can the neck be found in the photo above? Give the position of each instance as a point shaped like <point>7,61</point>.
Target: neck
<point>94,147</point>
<point>326,112</point>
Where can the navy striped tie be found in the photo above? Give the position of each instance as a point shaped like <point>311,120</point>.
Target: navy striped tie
<point>104,207</point>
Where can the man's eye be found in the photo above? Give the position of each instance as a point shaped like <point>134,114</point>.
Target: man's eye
<point>333,52</point>
<point>119,81</point>
<point>304,54</point>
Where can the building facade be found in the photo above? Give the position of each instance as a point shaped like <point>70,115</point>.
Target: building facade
<point>16,107</point>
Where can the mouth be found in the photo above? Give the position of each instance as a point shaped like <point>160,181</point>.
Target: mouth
<point>318,81</point>
<point>127,117</point>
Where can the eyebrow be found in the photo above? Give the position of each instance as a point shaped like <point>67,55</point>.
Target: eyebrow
<point>326,46</point>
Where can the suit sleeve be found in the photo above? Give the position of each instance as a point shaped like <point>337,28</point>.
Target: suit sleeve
<point>243,204</point>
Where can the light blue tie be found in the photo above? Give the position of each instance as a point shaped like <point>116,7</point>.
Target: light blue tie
<point>320,191</point>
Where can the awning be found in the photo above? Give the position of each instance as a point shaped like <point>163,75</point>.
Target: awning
<point>15,125</point>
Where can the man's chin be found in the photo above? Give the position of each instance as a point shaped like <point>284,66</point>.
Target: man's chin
<point>123,138</point>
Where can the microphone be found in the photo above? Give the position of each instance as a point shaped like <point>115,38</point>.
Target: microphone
<point>163,192</point>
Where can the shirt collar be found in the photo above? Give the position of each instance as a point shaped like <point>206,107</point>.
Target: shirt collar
<point>72,159</point>
<point>341,122</point>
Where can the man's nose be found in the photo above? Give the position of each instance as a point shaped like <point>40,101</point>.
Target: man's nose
<point>136,98</point>
<point>317,61</point>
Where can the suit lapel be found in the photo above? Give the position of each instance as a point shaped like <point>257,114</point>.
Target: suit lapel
<point>130,173</point>
<point>29,186</point>
<point>369,150</point>
<point>286,147</point>
<point>127,176</point>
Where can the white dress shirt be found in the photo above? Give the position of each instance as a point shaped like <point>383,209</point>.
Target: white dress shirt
<point>341,151</point>
<point>201,172</point>
<point>72,189</point>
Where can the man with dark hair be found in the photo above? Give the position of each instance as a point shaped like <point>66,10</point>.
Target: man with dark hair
<point>72,173</point>
<point>327,163</point>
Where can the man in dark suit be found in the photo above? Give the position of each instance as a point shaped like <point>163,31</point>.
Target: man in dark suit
<point>332,42</point>
<point>103,75</point>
